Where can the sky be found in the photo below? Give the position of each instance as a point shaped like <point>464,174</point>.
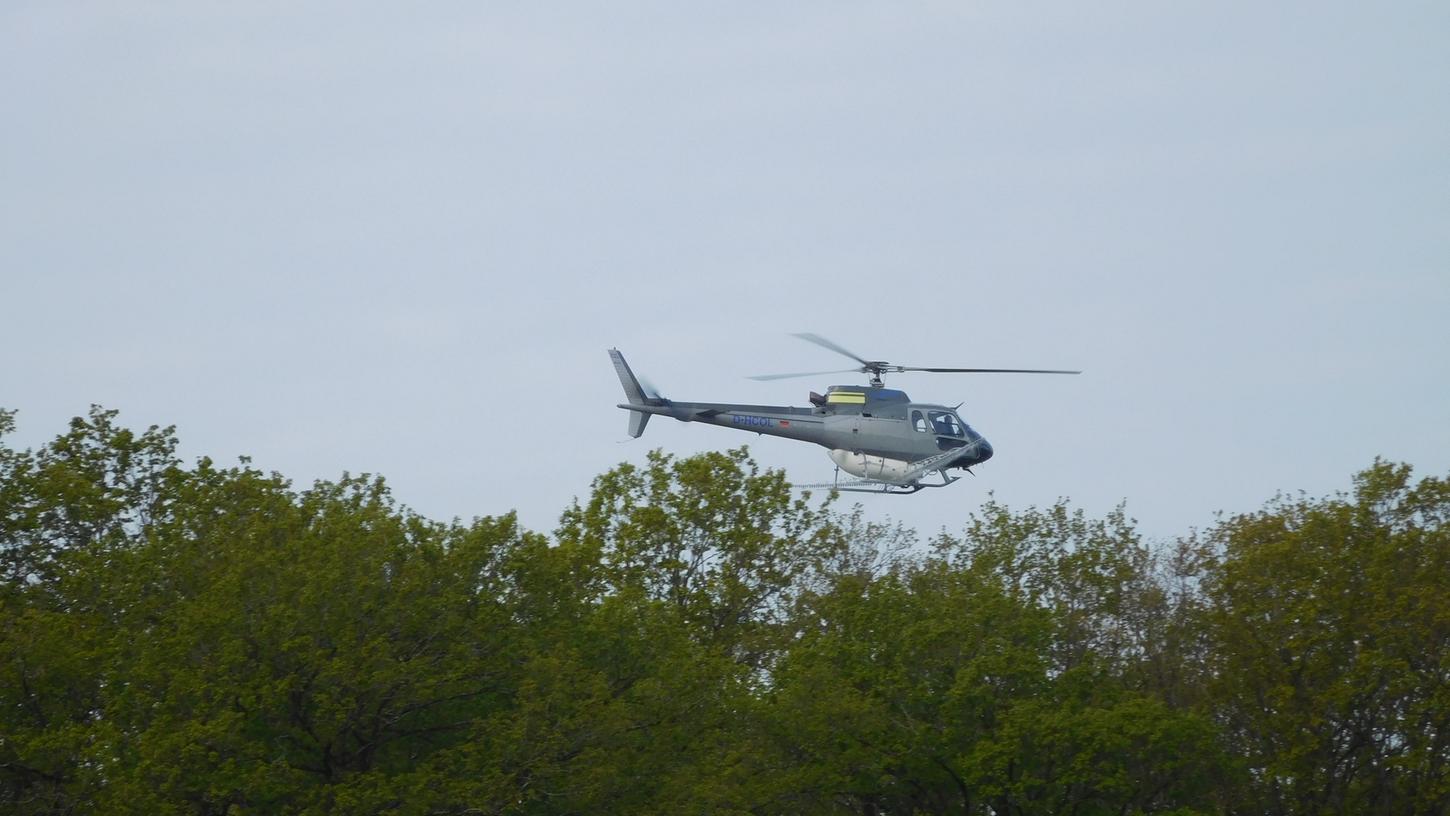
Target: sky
<point>399,238</point>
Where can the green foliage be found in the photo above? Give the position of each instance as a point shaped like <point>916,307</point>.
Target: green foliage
<point>992,678</point>
<point>695,638</point>
<point>711,536</point>
<point>1331,661</point>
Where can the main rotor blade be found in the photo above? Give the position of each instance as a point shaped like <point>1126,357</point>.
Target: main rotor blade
<point>985,370</point>
<point>803,374</point>
<point>824,343</point>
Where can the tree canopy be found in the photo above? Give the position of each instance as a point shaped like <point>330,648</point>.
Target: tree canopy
<point>696,637</point>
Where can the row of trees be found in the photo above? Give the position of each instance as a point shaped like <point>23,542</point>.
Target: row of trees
<point>695,637</point>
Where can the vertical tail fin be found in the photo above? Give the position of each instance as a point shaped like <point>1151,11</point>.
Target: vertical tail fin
<point>632,392</point>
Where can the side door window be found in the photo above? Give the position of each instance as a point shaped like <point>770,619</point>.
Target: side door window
<point>945,423</point>
<point>919,422</point>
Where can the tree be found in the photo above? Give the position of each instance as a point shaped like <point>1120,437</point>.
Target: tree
<point>725,544</point>
<point>1330,623</point>
<point>192,639</point>
<point>209,640</point>
<point>68,513</point>
<point>999,676</point>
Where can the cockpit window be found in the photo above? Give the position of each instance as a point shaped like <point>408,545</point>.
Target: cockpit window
<point>919,422</point>
<point>945,423</point>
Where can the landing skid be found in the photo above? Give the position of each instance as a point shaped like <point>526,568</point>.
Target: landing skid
<point>881,488</point>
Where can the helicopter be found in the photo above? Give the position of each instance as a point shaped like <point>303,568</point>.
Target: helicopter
<point>877,434</point>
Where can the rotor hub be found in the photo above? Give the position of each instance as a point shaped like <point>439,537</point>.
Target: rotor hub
<point>876,368</point>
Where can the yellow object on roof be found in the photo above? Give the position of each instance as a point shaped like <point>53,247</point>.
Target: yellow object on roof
<point>847,397</point>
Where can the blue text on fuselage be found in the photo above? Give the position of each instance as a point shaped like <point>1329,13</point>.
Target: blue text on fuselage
<point>739,419</point>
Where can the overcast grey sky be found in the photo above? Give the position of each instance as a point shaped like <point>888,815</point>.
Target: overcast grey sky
<point>398,238</point>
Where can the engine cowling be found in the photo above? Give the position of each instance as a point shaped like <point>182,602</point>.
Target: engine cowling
<point>871,467</point>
